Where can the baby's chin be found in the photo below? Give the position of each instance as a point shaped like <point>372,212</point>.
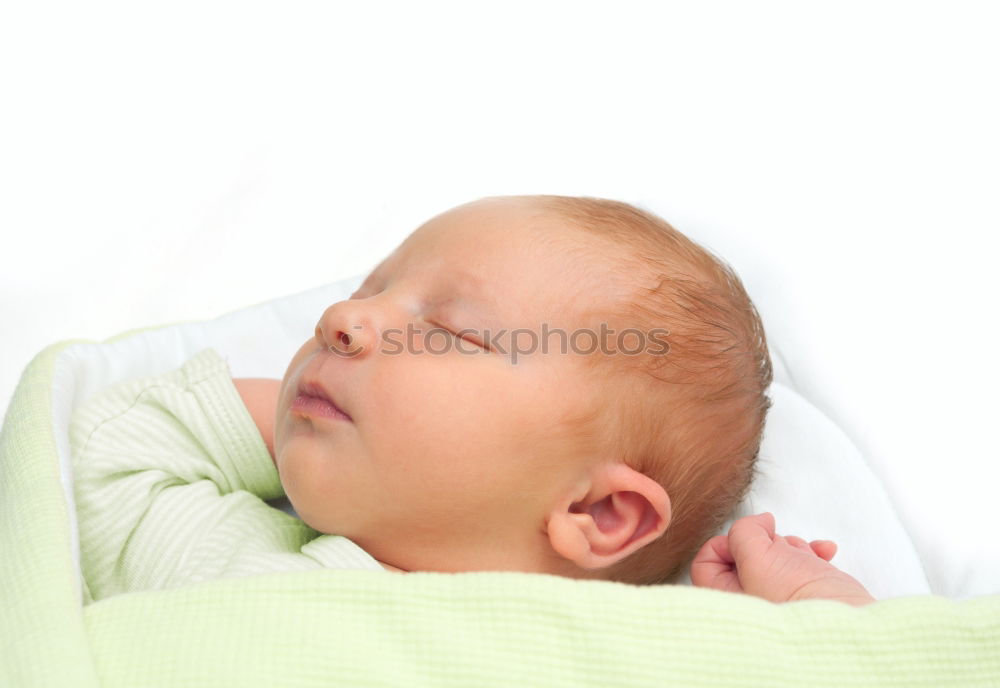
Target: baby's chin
<point>317,523</point>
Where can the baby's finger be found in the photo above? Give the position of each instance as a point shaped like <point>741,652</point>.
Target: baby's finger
<point>824,549</point>
<point>713,566</point>
<point>798,542</point>
<point>751,536</point>
<point>715,551</point>
<point>767,520</point>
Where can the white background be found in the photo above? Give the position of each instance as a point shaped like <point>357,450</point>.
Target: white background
<point>175,161</point>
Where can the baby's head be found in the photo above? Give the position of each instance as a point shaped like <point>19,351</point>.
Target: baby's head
<point>547,384</point>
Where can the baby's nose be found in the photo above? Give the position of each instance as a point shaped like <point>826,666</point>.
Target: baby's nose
<point>345,331</point>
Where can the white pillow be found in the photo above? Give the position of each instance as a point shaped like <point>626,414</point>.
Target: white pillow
<point>817,485</point>
<point>810,475</point>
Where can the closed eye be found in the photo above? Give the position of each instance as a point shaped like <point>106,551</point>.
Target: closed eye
<point>473,337</point>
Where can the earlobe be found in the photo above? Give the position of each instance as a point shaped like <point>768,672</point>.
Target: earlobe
<point>567,536</point>
<point>622,512</point>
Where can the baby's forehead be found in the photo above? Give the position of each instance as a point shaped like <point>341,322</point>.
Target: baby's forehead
<point>533,270</point>
<point>585,278</point>
<point>496,250</point>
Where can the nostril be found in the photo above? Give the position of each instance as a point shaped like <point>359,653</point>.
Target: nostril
<point>345,339</point>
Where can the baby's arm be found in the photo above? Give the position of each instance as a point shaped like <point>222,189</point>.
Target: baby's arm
<point>755,560</point>
<point>260,396</point>
<point>170,482</point>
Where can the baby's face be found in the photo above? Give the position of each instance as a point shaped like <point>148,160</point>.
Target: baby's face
<point>447,455</point>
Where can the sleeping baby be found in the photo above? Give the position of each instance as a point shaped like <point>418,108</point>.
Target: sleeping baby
<point>544,384</point>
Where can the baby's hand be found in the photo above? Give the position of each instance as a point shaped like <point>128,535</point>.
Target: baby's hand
<point>754,560</point>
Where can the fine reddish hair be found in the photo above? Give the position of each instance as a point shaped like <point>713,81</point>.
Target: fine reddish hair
<point>691,418</point>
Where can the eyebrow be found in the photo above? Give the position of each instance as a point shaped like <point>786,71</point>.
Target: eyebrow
<point>465,305</point>
<point>463,300</point>
<point>458,294</point>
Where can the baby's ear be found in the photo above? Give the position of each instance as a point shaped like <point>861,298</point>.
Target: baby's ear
<point>621,512</point>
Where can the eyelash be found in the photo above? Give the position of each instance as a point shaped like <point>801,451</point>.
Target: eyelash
<point>481,345</point>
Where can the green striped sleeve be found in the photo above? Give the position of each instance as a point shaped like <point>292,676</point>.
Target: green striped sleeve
<point>170,478</point>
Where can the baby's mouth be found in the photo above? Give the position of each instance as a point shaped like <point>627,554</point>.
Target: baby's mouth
<point>313,401</point>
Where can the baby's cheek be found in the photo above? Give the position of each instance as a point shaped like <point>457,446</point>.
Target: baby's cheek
<point>298,472</point>
<point>288,471</point>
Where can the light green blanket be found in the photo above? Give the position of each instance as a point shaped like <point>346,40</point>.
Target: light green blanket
<point>359,628</point>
